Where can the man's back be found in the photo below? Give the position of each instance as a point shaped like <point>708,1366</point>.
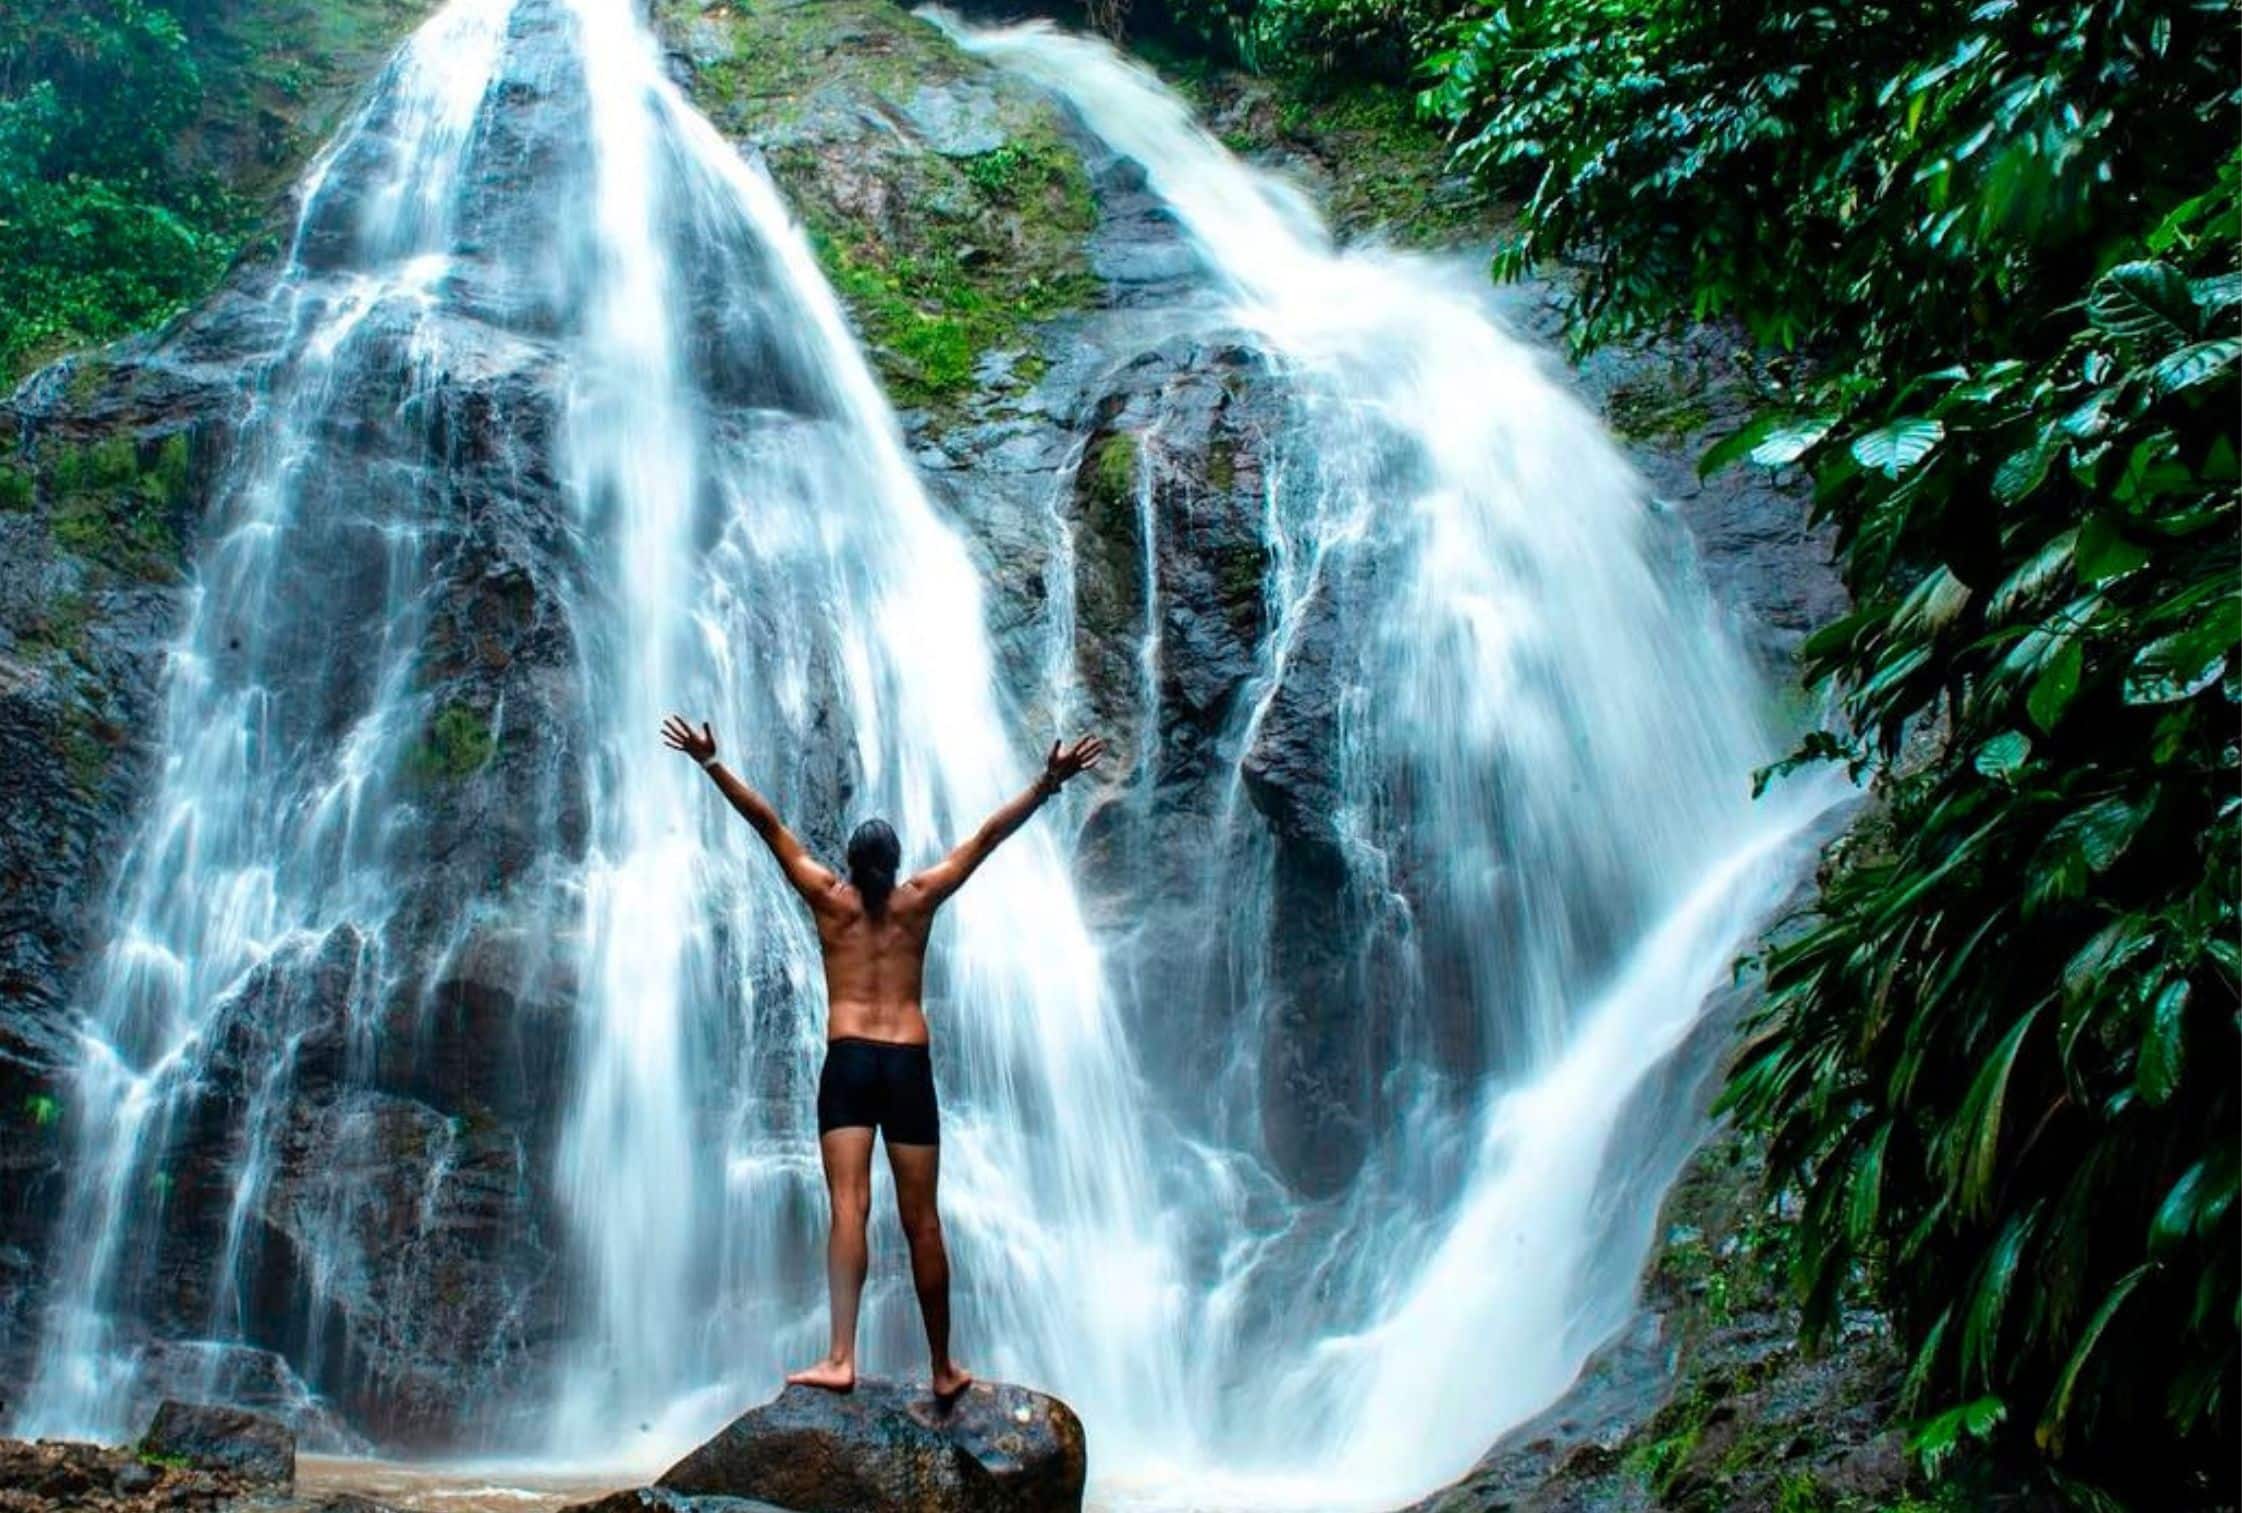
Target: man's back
<point>874,964</point>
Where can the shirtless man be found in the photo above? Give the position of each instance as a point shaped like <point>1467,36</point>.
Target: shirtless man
<point>877,1075</point>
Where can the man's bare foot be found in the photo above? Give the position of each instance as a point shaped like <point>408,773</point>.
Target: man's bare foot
<point>950,1380</point>
<point>832,1375</point>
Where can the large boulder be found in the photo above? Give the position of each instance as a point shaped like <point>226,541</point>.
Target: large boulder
<point>890,1447</point>
<point>258,1450</point>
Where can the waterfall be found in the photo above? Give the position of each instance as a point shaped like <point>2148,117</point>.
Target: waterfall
<point>745,540</point>
<point>559,367</point>
<point>264,844</point>
<point>1542,731</point>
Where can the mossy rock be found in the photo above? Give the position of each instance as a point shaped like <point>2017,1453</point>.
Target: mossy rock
<point>114,501</point>
<point>945,205</point>
<point>456,745</point>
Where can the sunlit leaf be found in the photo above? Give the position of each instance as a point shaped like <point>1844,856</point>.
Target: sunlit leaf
<point>2052,690</point>
<point>2002,755</point>
<point>1893,449</point>
<point>2158,1069</point>
<point>2145,302</point>
<point>2195,364</point>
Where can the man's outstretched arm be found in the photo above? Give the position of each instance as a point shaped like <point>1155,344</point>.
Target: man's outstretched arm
<point>948,875</point>
<point>812,879</point>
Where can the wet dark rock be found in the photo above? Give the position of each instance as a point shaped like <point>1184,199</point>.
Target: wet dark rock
<point>663,1500</point>
<point>59,1476</point>
<point>258,1450</point>
<point>890,1447</point>
<point>218,1371</point>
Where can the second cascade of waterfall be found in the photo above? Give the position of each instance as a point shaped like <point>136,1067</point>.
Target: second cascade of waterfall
<point>1540,816</point>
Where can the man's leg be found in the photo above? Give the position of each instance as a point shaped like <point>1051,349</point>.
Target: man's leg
<point>915,1168</point>
<point>848,1181</point>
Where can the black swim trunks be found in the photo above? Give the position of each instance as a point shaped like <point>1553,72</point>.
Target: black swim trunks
<point>878,1084</point>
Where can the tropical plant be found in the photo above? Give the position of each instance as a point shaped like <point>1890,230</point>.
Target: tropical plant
<point>2002,1059</point>
<point>99,232</point>
<point>2000,1056</point>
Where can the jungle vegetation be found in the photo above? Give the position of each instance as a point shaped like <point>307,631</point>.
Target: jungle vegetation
<point>1985,256</point>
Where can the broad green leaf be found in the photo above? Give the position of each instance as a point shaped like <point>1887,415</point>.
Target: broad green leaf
<point>2181,665</point>
<point>1771,442</point>
<point>1893,449</point>
<point>2194,364</point>
<point>2043,568</point>
<point>2002,755</point>
<point>2103,553</point>
<point>1867,1189</point>
<point>2049,1435</point>
<point>1786,444</point>
<point>2195,1204</point>
<point>1734,445</point>
<point>2145,302</point>
<point>2157,1072</point>
<point>1988,1304</point>
<point>2024,471</point>
<point>1936,1438</point>
<point>2211,295</point>
<point>1980,1117</point>
<point>2058,681</point>
<point>2103,830</point>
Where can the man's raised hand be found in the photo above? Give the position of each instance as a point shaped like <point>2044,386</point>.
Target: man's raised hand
<point>1065,762</point>
<point>677,735</point>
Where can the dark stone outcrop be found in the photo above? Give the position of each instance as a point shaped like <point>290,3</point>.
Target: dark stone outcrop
<point>663,1500</point>
<point>891,1447</point>
<point>258,1450</point>
<point>61,1476</point>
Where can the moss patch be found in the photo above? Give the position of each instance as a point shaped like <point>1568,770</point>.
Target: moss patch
<point>457,744</point>
<point>16,490</point>
<point>1381,168</point>
<point>1648,410</point>
<point>1109,474</point>
<point>940,259</point>
<point>113,502</point>
<point>85,748</point>
<point>59,630</point>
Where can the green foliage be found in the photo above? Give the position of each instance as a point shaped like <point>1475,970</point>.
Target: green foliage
<point>99,232</point>
<point>1999,1058</point>
<point>1011,172</point>
<point>1112,470</point>
<point>2004,1055</point>
<point>114,213</point>
<point>110,507</point>
<point>1375,39</point>
<point>456,745</point>
<point>43,1109</point>
<point>16,492</point>
<point>931,309</point>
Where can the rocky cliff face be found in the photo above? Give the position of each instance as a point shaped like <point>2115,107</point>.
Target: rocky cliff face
<point>1021,295</point>
<point>1108,454</point>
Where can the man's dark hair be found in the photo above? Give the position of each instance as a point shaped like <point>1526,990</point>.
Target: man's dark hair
<point>874,854</point>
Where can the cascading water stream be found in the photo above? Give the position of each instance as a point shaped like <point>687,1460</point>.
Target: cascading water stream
<point>1538,818</point>
<point>1542,736</point>
<point>745,540</point>
<point>261,842</point>
<point>830,595</point>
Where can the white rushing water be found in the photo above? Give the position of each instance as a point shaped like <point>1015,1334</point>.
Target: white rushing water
<point>257,847</point>
<point>1543,724</point>
<point>1538,692</point>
